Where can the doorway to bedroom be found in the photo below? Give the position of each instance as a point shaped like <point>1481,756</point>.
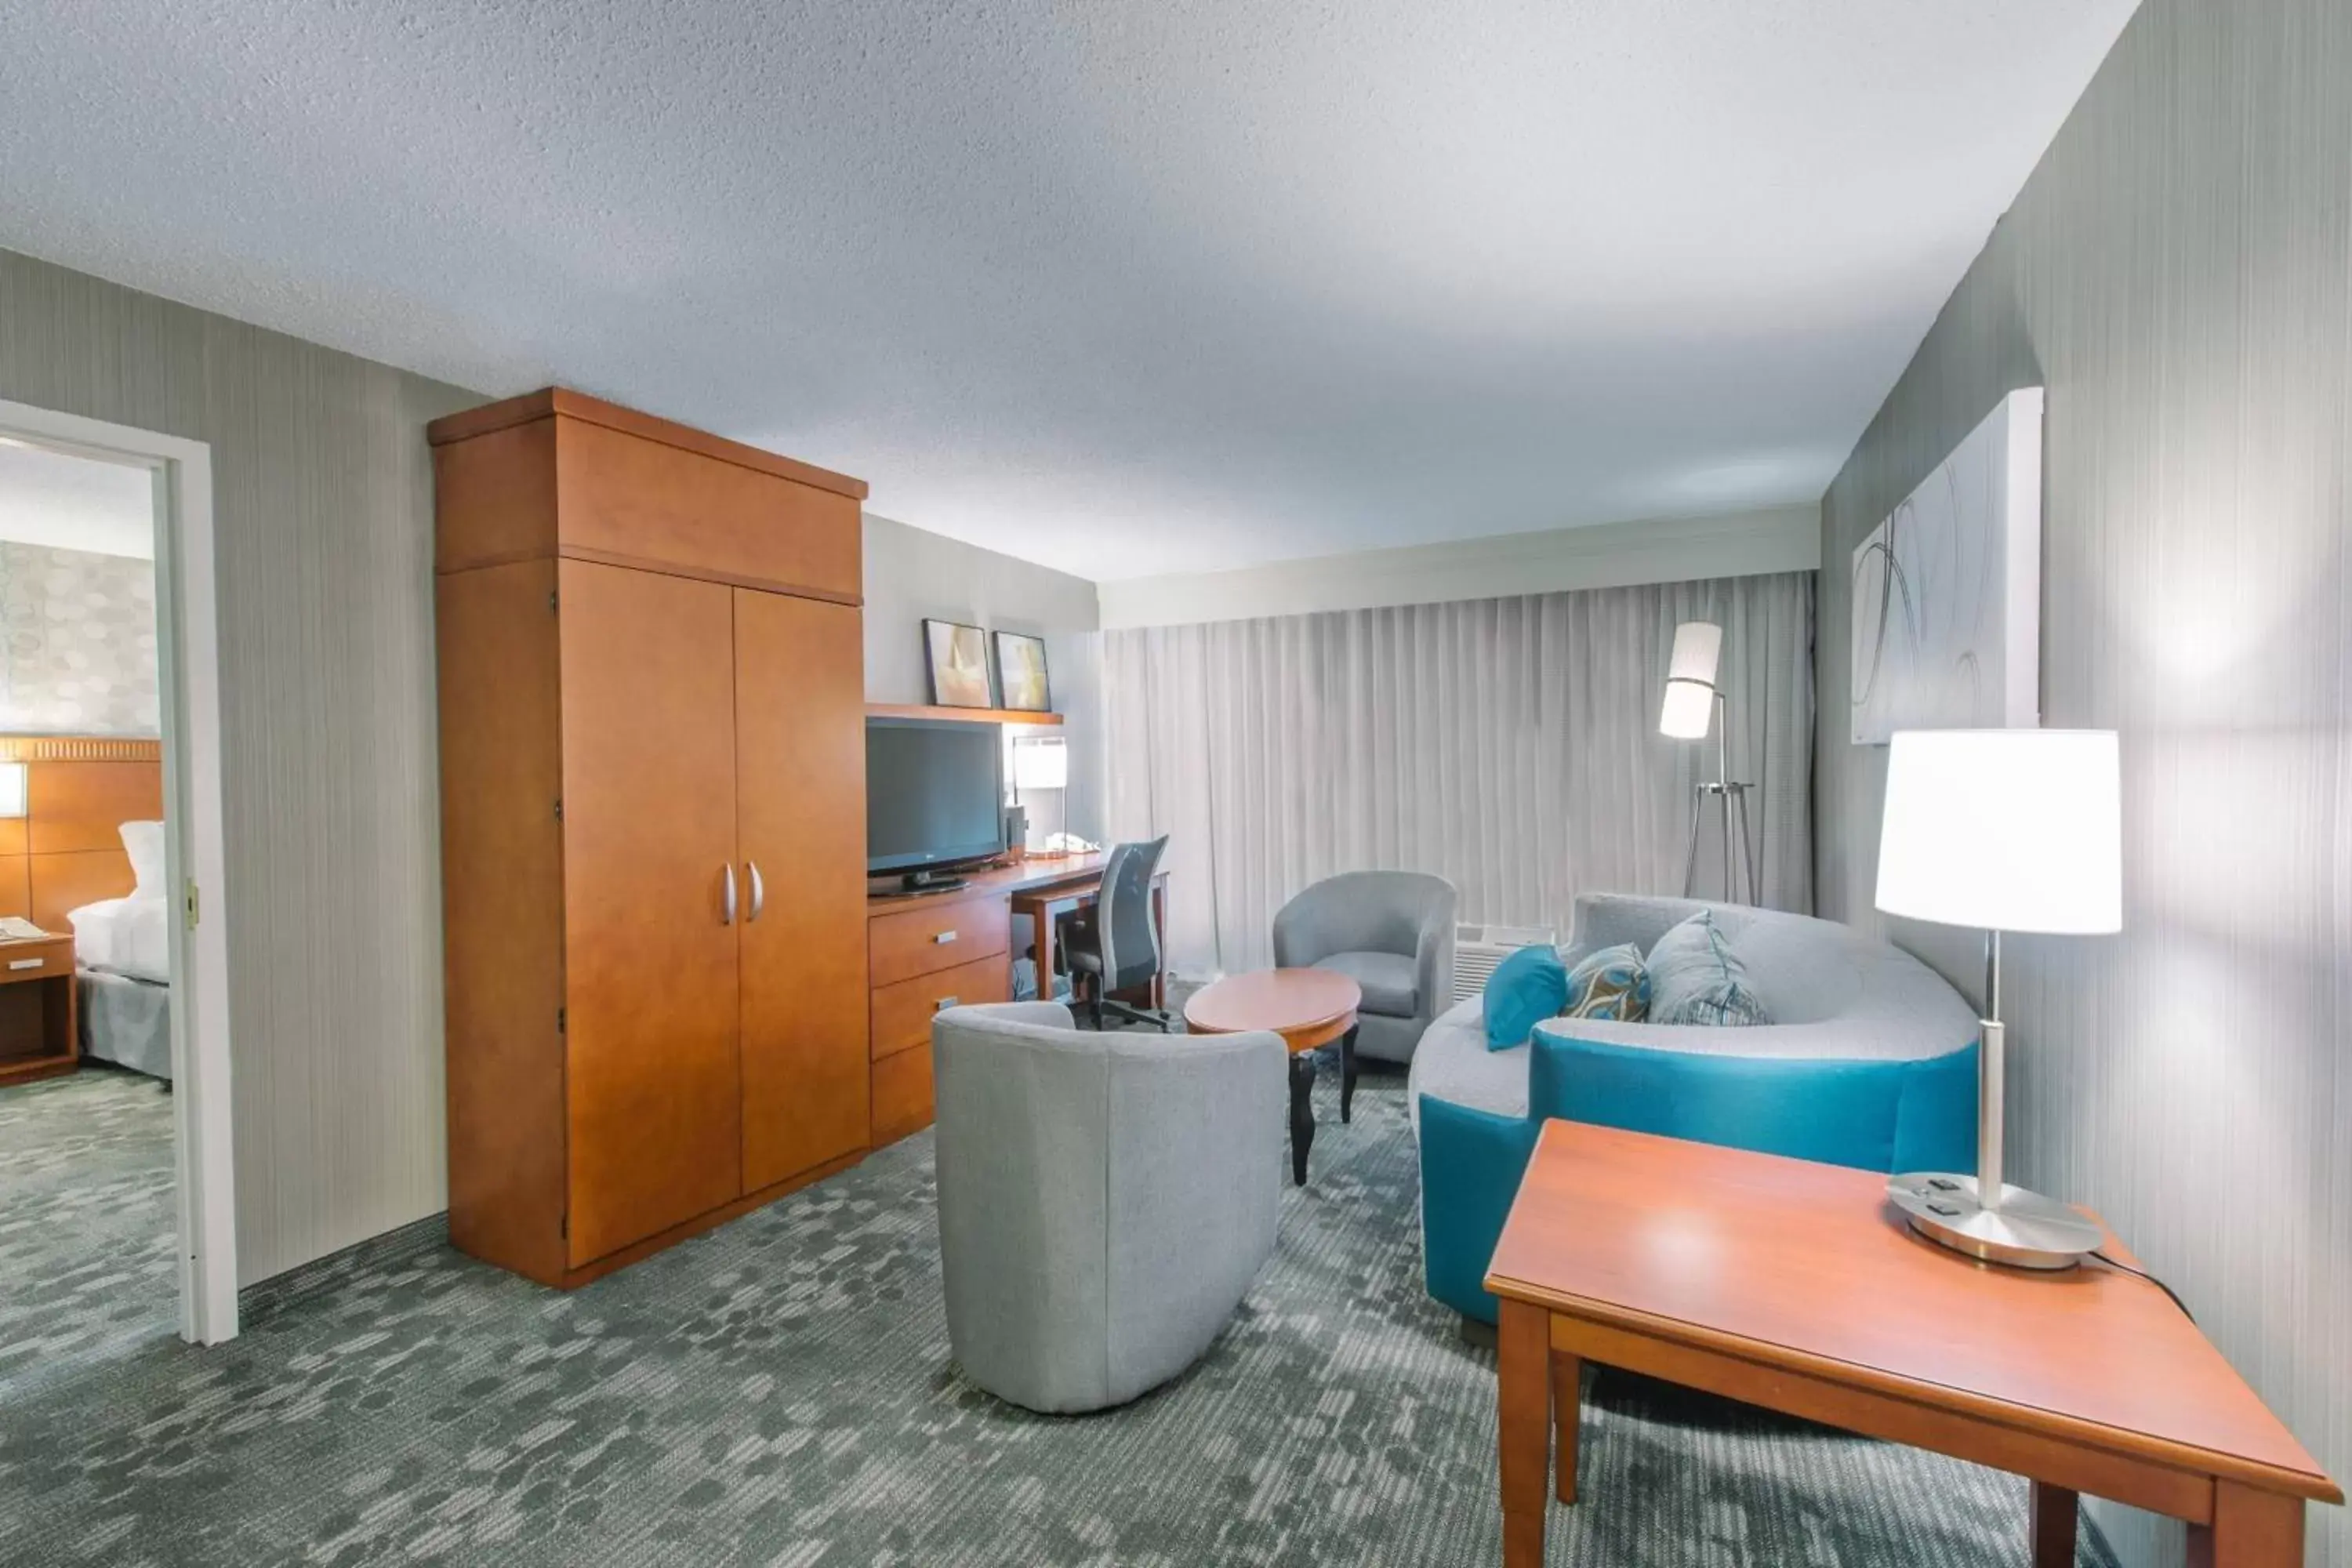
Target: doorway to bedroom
<point>89,1224</point>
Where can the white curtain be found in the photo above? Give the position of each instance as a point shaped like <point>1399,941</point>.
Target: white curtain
<point>1510,745</point>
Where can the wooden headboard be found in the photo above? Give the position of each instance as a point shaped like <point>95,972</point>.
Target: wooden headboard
<point>66,850</point>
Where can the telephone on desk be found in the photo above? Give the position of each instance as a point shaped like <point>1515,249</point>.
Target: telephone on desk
<point>1068,844</point>
<point>16,928</point>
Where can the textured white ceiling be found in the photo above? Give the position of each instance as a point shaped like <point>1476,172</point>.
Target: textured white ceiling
<point>1119,287</point>
<point>75,503</point>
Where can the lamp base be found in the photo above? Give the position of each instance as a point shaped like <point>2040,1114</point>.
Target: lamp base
<point>2028,1231</point>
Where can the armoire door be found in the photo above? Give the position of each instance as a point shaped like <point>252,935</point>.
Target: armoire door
<point>652,1085</point>
<point>800,806</point>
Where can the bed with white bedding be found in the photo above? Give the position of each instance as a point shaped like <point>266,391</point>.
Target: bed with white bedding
<point>122,952</point>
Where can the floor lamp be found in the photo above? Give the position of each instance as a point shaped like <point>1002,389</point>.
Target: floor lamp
<point>2007,830</point>
<point>1694,702</point>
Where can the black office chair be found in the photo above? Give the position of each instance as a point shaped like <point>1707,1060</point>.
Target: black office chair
<point>1113,944</point>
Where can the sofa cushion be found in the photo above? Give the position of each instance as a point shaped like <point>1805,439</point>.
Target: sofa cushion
<point>1388,980</point>
<point>1453,1064</point>
<point>1610,983</point>
<point>1696,978</point>
<point>1525,989</point>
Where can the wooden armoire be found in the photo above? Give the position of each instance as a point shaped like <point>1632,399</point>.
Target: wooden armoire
<point>653,829</point>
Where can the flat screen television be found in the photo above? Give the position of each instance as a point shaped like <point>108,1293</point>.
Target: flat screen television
<point>934,796</point>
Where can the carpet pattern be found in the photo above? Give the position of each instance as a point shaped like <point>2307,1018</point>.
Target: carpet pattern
<point>88,1232</point>
<point>779,1392</point>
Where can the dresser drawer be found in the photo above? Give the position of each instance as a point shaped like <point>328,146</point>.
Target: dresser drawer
<point>933,937</point>
<point>902,1013</point>
<point>902,1094</point>
<point>35,960</point>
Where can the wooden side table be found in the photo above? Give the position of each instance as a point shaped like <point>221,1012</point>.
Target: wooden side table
<point>1309,1008</point>
<point>39,1034</point>
<point>1799,1288</point>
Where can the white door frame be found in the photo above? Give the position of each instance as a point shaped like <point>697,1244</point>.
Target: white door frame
<point>188,662</point>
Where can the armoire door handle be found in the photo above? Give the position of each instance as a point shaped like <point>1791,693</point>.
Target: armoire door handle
<point>726,902</point>
<point>759,891</point>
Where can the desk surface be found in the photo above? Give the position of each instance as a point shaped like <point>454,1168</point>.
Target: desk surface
<point>1790,1264</point>
<point>1000,882</point>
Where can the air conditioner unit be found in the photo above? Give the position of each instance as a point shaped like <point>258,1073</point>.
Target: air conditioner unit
<point>1478,949</point>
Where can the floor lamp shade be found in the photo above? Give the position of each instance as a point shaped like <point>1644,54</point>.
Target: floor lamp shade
<point>2014,830</point>
<point>1689,705</point>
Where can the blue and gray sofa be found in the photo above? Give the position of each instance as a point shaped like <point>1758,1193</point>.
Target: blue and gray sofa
<point>1870,1061</point>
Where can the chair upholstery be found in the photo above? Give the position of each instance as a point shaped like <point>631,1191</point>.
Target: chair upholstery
<point>1114,943</point>
<point>1870,1061</point>
<point>1388,980</point>
<point>1104,1200</point>
<point>1355,922</point>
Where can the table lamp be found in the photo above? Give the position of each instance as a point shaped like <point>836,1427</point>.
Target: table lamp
<point>1043,764</point>
<point>2017,830</point>
<point>1692,703</point>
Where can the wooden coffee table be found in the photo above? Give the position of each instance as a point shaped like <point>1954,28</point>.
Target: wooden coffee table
<point>1309,1008</point>
<point>1797,1287</point>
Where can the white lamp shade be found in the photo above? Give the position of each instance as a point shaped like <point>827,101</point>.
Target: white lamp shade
<point>12,789</point>
<point>1689,706</point>
<point>1689,709</point>
<point>2003,829</point>
<point>1041,764</point>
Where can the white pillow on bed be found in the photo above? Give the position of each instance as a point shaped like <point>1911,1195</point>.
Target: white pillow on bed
<point>144,842</point>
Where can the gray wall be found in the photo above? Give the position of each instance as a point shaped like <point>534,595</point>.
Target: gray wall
<point>323,518</point>
<point>912,574</point>
<point>2177,273</point>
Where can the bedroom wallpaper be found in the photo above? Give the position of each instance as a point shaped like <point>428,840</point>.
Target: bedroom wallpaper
<point>77,642</point>
<point>2175,273</point>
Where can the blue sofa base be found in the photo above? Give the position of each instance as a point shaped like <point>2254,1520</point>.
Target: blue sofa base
<point>1872,1115</point>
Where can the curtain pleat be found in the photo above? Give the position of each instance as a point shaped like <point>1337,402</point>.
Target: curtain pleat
<point>1510,745</point>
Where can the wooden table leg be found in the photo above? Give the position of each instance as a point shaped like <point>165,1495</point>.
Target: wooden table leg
<point>1347,1074</point>
<point>1567,1415</point>
<point>1522,1356</point>
<point>2050,1524</point>
<point>1302,1112</point>
<point>1160,925</point>
<point>2250,1530</point>
<point>1040,930</point>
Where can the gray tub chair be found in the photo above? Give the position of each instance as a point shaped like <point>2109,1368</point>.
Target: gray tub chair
<point>1104,1200</point>
<point>1391,933</point>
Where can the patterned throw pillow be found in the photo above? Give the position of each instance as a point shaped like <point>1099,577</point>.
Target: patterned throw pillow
<point>1613,983</point>
<point>1696,978</point>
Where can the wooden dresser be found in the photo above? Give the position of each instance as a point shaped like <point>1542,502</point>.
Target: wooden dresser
<point>922,955</point>
<point>653,801</point>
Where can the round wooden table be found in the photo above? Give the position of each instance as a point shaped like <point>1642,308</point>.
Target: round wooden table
<point>1309,1008</point>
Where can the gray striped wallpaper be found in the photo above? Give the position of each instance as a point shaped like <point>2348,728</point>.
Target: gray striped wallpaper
<point>2178,273</point>
<point>323,518</point>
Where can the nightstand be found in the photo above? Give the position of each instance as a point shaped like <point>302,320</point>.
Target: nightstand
<point>38,1035</point>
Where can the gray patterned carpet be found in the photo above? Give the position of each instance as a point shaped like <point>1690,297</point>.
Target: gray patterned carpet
<point>86,1224</point>
<point>779,1394</point>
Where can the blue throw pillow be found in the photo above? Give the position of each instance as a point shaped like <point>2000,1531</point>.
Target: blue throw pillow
<point>1525,989</point>
<point>1696,978</point>
<point>1612,983</point>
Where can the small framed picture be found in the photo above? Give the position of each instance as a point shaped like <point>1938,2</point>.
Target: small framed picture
<point>1021,672</point>
<point>958,665</point>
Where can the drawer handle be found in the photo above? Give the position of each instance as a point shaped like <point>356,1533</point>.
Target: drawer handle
<point>943,1004</point>
<point>946,937</point>
<point>26,962</point>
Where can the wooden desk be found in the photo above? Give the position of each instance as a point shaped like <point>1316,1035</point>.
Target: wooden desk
<point>39,1037</point>
<point>1798,1287</point>
<point>930,951</point>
